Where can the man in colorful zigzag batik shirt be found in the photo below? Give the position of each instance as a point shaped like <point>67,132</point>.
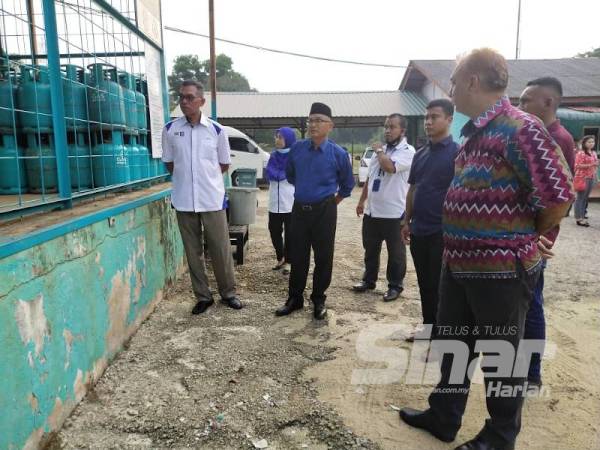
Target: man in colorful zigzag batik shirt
<point>511,185</point>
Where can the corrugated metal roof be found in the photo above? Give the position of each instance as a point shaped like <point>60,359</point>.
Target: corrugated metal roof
<point>258,105</point>
<point>580,77</point>
<point>578,114</point>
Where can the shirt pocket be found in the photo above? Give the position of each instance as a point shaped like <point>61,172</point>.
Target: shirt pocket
<point>180,148</point>
<point>208,148</point>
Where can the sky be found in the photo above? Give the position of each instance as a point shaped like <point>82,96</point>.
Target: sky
<point>375,31</point>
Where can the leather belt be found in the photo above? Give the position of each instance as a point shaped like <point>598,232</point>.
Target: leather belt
<point>311,206</point>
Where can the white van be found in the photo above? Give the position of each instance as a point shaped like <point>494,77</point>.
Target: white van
<point>245,154</point>
<point>363,170</point>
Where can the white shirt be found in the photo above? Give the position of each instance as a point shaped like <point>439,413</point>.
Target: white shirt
<point>389,200</point>
<point>281,196</point>
<point>196,152</point>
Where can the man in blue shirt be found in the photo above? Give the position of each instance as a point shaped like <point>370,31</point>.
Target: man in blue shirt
<point>322,175</point>
<point>430,176</point>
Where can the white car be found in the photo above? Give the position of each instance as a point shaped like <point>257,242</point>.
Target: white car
<point>363,170</point>
<point>245,154</point>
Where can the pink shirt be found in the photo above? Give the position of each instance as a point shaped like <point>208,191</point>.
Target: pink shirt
<point>583,158</point>
<point>565,141</point>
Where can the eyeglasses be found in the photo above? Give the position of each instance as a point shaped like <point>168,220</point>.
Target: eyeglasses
<point>187,98</point>
<point>317,121</point>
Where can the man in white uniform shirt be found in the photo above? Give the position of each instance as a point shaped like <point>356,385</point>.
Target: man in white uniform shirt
<point>196,153</point>
<point>385,196</point>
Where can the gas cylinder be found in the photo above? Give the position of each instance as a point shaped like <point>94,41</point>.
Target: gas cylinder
<point>106,107</point>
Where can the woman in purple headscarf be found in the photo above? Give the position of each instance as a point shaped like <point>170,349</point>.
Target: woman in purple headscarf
<point>281,197</point>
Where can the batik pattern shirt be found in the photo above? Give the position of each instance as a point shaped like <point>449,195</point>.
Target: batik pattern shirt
<point>507,170</point>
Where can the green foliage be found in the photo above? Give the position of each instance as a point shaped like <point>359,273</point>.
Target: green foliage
<point>189,67</point>
<point>591,54</point>
<point>185,67</point>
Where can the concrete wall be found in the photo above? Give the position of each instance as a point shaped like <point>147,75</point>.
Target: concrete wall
<point>68,305</point>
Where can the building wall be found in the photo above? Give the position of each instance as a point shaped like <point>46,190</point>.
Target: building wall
<point>68,305</point>
<point>431,91</point>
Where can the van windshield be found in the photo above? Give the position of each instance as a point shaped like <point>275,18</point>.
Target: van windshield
<point>368,154</point>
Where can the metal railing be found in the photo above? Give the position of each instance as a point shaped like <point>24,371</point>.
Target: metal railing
<point>74,107</point>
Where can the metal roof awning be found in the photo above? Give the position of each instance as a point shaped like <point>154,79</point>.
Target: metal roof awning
<point>580,77</point>
<point>265,110</point>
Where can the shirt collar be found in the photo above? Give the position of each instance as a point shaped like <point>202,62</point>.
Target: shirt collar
<point>443,143</point>
<point>554,125</point>
<point>399,145</point>
<point>203,120</point>
<point>486,117</point>
<point>320,147</point>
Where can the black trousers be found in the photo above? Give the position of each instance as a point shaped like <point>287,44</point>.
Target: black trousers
<point>477,309</point>
<point>279,227</point>
<point>375,231</point>
<point>313,226</point>
<point>426,253</point>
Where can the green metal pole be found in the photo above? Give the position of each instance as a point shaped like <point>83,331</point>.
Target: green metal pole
<point>56,99</point>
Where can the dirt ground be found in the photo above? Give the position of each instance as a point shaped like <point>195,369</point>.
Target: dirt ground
<point>245,379</point>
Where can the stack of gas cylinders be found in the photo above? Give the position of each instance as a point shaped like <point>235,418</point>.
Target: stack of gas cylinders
<point>107,129</point>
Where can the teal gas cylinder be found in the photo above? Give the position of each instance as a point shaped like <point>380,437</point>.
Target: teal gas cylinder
<point>80,162</point>
<point>74,95</point>
<point>141,103</point>
<point>135,162</point>
<point>33,98</point>
<point>153,171</point>
<point>110,159</point>
<point>160,167</point>
<point>144,158</point>
<point>40,163</point>
<point>12,169</point>
<point>106,106</point>
<point>127,83</point>
<point>8,101</point>
<point>152,167</point>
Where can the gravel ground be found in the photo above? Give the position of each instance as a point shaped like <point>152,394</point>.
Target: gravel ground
<point>245,379</point>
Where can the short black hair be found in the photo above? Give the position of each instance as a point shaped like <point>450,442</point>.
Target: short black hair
<point>195,83</point>
<point>550,82</point>
<point>401,119</point>
<point>443,103</point>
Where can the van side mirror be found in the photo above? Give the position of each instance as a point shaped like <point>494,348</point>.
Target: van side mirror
<point>357,157</point>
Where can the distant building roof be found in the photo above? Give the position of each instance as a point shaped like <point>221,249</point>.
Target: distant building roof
<point>580,77</point>
<point>273,109</point>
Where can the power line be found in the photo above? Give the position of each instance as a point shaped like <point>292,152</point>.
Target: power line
<point>283,52</point>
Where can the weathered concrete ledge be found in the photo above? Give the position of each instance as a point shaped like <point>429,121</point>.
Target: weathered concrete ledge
<point>70,302</point>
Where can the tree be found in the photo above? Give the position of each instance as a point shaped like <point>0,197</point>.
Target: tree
<point>591,54</point>
<point>190,67</point>
<point>185,67</point>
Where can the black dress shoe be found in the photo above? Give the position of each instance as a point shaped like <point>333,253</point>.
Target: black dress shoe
<point>290,306</point>
<point>319,311</point>
<point>392,294</point>
<point>480,443</point>
<point>425,421</point>
<point>202,306</point>
<point>232,302</point>
<point>363,286</point>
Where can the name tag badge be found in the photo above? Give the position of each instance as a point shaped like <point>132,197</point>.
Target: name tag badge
<point>376,184</point>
